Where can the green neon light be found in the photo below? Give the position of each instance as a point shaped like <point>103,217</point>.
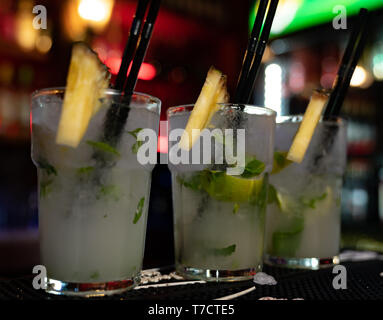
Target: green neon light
<point>308,13</point>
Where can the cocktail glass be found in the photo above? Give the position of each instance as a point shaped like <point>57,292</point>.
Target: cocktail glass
<point>219,218</point>
<point>93,199</point>
<point>303,215</point>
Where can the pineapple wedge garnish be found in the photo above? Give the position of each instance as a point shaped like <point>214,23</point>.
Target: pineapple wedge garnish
<point>214,91</point>
<point>221,96</point>
<point>86,81</point>
<point>306,129</point>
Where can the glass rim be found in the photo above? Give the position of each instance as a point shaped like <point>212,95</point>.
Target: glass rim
<point>297,118</point>
<point>109,92</point>
<point>256,110</point>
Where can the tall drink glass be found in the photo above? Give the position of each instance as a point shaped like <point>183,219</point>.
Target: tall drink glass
<point>93,199</point>
<point>303,218</point>
<point>219,217</point>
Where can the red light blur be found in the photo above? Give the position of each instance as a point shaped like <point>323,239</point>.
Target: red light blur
<point>162,144</point>
<point>30,123</point>
<point>147,70</point>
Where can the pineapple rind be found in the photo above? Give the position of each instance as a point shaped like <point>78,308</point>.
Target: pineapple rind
<point>87,79</point>
<point>221,96</point>
<point>306,129</point>
<point>213,89</point>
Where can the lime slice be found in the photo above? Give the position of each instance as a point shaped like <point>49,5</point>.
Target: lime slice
<point>228,188</point>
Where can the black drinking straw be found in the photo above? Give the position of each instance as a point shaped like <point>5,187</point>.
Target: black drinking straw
<point>131,44</point>
<point>342,81</point>
<point>142,47</point>
<point>259,52</point>
<point>346,69</point>
<point>117,115</point>
<point>250,51</point>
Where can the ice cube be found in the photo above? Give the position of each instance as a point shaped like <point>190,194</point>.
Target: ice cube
<point>46,111</point>
<point>264,279</point>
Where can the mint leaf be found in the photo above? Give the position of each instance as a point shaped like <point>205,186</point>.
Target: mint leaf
<point>236,207</point>
<point>273,196</point>
<point>223,251</point>
<point>253,168</point>
<point>214,175</point>
<point>286,240</point>
<point>280,161</point>
<point>135,132</point>
<point>108,191</point>
<point>48,170</point>
<point>311,203</point>
<point>102,146</point>
<point>261,199</point>
<point>137,144</point>
<point>195,182</point>
<point>138,212</point>
<point>47,167</point>
<point>45,188</point>
<point>212,179</point>
<point>85,170</point>
<point>95,275</point>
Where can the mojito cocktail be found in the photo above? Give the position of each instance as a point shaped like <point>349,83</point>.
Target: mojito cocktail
<point>219,218</point>
<point>303,216</point>
<point>93,199</point>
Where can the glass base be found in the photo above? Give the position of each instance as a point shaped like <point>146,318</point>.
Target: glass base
<point>302,263</point>
<point>91,289</point>
<point>216,275</point>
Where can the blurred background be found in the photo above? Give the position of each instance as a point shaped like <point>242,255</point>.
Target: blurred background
<point>189,36</point>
